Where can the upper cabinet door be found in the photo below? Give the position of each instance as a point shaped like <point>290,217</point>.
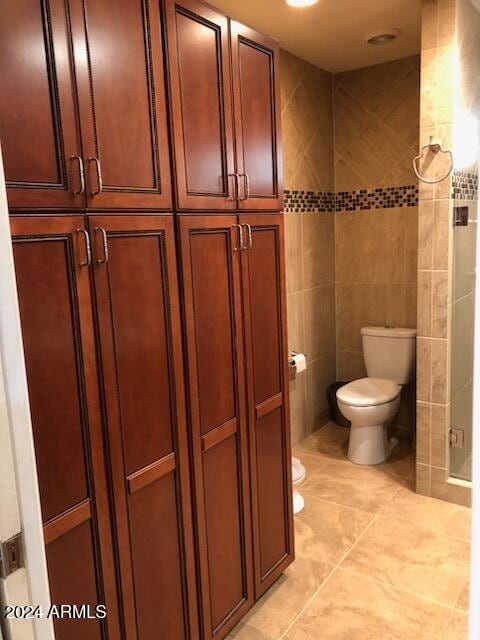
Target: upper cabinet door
<point>38,130</point>
<point>255,65</point>
<point>198,52</point>
<point>120,77</point>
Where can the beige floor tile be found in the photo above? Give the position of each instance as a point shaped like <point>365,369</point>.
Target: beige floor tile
<point>328,441</point>
<point>429,513</point>
<point>464,599</point>
<point>457,628</point>
<point>323,533</point>
<point>349,607</point>
<point>364,488</point>
<point>313,462</point>
<point>413,559</point>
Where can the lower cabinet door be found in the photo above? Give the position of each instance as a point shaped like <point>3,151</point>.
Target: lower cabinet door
<point>263,276</point>
<point>210,262</point>
<point>140,342</point>
<point>51,263</point>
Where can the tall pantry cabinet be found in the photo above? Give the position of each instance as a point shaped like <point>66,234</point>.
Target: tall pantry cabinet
<point>141,145</point>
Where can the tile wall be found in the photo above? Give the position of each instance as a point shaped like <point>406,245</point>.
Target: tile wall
<point>306,94</point>
<point>445,278</point>
<point>343,154</point>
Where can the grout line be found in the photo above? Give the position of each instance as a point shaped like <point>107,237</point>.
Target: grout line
<point>401,589</point>
<point>345,554</point>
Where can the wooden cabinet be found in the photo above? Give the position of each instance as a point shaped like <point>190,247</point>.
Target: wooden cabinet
<point>120,81</point>
<point>255,68</point>
<point>208,56</point>
<point>210,257</point>
<point>139,322</point>
<point>263,276</point>
<point>57,326</point>
<point>160,409</point>
<point>38,130</point>
<point>53,52</point>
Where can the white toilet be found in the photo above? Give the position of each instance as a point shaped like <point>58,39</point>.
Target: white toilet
<point>371,403</point>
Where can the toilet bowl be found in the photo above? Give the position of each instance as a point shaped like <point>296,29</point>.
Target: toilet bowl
<point>371,403</point>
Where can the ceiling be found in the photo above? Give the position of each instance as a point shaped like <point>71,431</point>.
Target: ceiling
<point>331,34</point>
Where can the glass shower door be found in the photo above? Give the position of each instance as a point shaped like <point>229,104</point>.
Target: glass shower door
<point>463,321</point>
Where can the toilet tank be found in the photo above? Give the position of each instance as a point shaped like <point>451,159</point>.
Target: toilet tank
<point>389,353</point>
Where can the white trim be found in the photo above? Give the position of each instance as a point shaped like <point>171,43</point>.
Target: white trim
<point>20,428</point>
<point>474,622</point>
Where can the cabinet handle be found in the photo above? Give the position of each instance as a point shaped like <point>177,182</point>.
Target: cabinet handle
<point>103,260</point>
<point>240,237</point>
<point>81,172</point>
<point>250,236</point>
<point>246,186</point>
<point>235,176</point>
<point>88,248</point>
<point>99,176</point>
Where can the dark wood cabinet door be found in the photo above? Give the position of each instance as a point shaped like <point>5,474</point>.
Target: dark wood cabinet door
<point>216,390</point>
<point>255,68</point>
<point>139,323</point>
<point>58,337</point>
<point>38,129</point>
<point>199,66</point>
<point>120,77</point>
<point>267,382</point>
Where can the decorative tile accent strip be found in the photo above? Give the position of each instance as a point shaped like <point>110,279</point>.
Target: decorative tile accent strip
<point>464,185</point>
<point>381,198</point>
<point>309,201</point>
<point>297,201</point>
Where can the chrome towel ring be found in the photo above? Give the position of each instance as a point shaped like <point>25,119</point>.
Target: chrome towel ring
<point>435,147</point>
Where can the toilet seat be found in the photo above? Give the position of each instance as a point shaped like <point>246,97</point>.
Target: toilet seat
<point>368,392</point>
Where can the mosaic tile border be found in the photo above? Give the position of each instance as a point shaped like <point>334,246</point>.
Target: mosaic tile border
<point>464,185</point>
<point>297,201</point>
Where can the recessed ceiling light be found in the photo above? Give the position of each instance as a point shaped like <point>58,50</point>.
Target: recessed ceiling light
<point>301,3</point>
<point>383,36</point>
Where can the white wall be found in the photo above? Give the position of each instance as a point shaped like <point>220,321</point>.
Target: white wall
<point>19,496</point>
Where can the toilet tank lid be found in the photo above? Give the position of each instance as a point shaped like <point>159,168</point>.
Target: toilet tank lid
<point>389,332</point>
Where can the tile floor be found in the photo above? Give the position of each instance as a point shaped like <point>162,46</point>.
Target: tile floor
<point>374,560</point>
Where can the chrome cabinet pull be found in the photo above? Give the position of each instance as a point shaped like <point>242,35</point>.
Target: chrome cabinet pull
<point>250,236</point>
<point>81,172</point>
<point>236,177</point>
<point>240,237</point>
<point>88,248</point>
<point>103,260</point>
<point>246,186</point>
<point>99,176</point>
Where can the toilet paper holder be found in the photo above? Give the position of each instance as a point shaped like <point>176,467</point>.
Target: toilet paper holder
<point>291,361</point>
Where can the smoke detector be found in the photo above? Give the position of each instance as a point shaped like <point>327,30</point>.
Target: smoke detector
<point>383,36</point>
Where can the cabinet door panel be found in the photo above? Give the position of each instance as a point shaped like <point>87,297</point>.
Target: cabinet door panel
<point>212,304</point>
<point>38,128</point>
<point>122,102</point>
<point>139,323</point>
<point>267,375</point>
<point>55,311</point>
<point>255,62</point>
<point>201,105</point>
